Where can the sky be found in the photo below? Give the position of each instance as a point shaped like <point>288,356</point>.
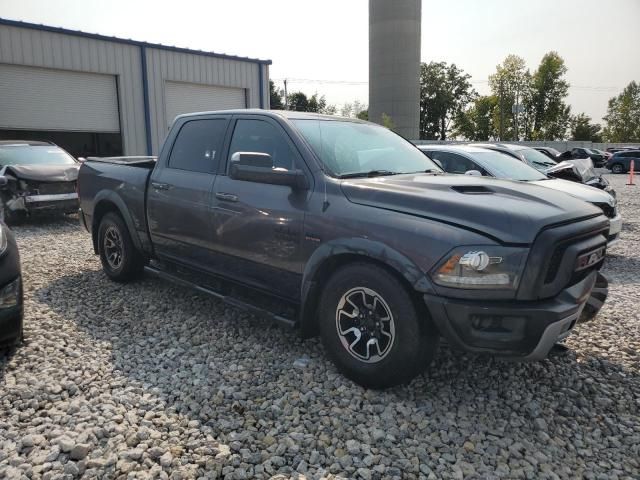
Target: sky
<point>322,45</point>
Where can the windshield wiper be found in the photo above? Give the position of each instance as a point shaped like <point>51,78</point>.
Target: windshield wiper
<point>370,173</point>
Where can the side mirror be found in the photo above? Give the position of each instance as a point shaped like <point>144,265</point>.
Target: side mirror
<point>258,168</point>
<point>473,173</point>
<point>4,181</point>
<point>81,159</point>
<point>437,162</point>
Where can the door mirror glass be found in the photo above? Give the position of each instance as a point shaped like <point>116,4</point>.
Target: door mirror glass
<point>252,159</point>
<point>473,173</point>
<point>3,181</point>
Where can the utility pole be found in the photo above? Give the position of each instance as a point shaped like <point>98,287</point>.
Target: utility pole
<point>286,101</point>
<point>501,110</point>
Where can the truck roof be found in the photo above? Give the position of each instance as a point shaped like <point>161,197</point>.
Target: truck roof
<point>288,114</point>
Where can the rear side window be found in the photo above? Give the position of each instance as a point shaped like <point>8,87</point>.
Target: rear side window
<point>197,147</point>
<point>454,163</point>
<point>263,137</point>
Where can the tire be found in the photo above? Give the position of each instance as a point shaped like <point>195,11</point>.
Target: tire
<point>617,168</point>
<point>121,261</point>
<point>596,299</point>
<point>404,345</point>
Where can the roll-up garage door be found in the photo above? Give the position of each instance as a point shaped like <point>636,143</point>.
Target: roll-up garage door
<point>190,97</point>
<point>46,99</point>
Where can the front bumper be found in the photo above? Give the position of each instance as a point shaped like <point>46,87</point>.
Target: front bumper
<point>615,227</point>
<point>522,329</point>
<point>65,202</point>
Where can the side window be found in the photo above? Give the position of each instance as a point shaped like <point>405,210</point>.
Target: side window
<point>197,147</point>
<point>454,163</point>
<point>263,137</point>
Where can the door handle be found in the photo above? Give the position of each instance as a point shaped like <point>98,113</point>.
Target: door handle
<point>226,197</point>
<point>160,186</point>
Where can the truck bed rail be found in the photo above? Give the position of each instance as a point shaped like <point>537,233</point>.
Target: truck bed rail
<point>141,161</point>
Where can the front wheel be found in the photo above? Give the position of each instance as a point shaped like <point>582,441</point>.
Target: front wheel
<point>372,329</point>
<point>121,261</point>
<point>617,168</point>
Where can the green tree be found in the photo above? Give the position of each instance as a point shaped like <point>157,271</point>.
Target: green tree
<point>510,85</point>
<point>363,115</point>
<point>275,97</point>
<point>299,102</point>
<point>623,116</point>
<point>549,89</point>
<point>353,110</point>
<point>387,122</point>
<point>445,91</point>
<point>583,129</point>
<point>476,123</point>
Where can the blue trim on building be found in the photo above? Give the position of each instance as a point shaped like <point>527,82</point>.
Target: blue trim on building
<point>95,36</point>
<point>261,85</point>
<point>145,97</point>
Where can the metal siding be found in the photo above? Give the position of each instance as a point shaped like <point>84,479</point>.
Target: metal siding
<point>81,52</point>
<point>171,66</point>
<point>193,97</point>
<point>40,48</point>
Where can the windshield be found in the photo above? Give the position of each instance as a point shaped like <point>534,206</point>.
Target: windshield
<point>504,166</point>
<point>34,155</point>
<point>536,159</point>
<point>350,148</point>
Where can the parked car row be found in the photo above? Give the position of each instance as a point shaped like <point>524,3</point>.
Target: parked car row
<point>488,160</point>
<point>616,159</point>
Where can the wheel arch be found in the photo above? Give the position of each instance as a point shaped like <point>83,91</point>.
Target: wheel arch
<point>106,202</point>
<point>333,255</point>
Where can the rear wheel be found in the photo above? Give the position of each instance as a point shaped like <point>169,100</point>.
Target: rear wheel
<point>617,168</point>
<point>121,261</point>
<point>372,328</point>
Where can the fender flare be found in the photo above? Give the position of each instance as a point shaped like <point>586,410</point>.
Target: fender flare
<point>358,247</point>
<point>109,196</point>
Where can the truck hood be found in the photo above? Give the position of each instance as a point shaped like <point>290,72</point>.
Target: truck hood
<point>507,211</point>
<point>42,173</point>
<point>578,190</point>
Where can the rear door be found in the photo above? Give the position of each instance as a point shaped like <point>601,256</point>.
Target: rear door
<point>258,226</point>
<point>180,189</point>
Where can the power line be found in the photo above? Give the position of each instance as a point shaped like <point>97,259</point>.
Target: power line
<point>595,88</point>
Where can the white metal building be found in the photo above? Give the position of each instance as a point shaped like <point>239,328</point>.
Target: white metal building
<point>98,95</point>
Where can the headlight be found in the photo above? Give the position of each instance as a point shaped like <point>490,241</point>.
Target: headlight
<point>481,267</point>
<point>3,239</point>
<point>10,295</point>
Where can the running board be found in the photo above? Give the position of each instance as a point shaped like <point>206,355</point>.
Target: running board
<point>220,296</point>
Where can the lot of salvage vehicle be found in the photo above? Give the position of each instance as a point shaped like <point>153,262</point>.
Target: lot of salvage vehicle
<point>115,379</point>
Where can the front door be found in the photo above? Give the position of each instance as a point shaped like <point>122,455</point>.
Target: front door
<point>259,227</point>
<point>180,189</point>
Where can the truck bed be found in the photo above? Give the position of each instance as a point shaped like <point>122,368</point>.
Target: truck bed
<point>123,179</point>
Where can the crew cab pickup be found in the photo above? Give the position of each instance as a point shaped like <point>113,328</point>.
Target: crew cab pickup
<point>344,229</point>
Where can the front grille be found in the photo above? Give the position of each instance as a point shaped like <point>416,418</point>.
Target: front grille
<point>553,267</point>
<point>52,188</point>
<point>607,209</point>
<point>554,264</point>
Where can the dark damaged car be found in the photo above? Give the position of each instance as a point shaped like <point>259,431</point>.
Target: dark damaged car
<point>36,177</point>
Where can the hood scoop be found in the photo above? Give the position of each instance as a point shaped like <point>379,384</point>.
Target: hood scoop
<point>471,189</point>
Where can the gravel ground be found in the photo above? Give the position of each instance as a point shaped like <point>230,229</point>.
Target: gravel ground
<point>150,380</point>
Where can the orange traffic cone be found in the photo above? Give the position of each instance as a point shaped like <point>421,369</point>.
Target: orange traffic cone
<point>631,173</point>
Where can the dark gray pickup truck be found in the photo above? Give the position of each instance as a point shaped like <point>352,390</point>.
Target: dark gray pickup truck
<point>344,229</point>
